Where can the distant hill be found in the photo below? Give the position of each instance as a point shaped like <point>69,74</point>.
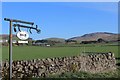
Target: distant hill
<point>6,36</point>
<point>95,36</point>
<point>86,37</point>
<point>56,39</point>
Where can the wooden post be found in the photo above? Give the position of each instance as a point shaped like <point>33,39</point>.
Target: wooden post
<point>10,52</point>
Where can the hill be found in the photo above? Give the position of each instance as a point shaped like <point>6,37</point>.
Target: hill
<point>95,36</point>
<point>6,36</point>
<point>56,39</point>
<point>86,37</point>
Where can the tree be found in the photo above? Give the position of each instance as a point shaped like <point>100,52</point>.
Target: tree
<point>100,40</point>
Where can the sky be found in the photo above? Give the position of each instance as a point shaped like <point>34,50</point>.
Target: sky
<point>60,0</point>
<point>63,19</point>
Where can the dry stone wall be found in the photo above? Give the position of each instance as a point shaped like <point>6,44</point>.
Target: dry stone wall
<point>0,69</point>
<point>93,63</point>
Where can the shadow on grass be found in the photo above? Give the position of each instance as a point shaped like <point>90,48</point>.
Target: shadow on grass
<point>118,64</point>
<point>118,59</point>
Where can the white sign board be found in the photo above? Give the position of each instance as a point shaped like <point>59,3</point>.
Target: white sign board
<point>23,35</point>
<point>22,41</point>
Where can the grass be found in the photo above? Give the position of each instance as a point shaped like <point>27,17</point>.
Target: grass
<point>34,52</point>
<point>110,74</point>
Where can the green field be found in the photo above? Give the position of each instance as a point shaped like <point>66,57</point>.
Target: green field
<point>34,52</point>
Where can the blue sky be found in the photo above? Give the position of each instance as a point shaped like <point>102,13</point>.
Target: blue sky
<point>63,19</point>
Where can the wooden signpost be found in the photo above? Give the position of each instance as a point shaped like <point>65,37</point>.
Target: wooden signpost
<point>22,35</point>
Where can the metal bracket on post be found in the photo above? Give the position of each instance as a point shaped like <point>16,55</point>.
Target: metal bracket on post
<point>10,37</point>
